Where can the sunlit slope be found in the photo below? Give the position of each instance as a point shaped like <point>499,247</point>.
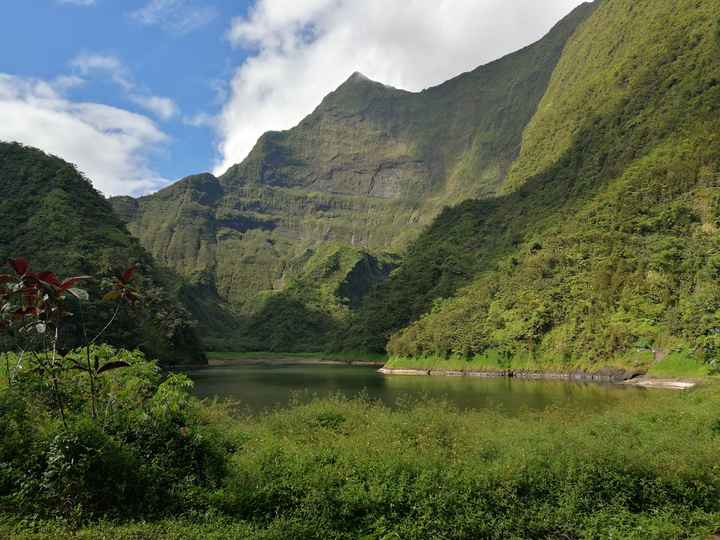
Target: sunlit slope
<point>368,170</point>
<point>605,245</point>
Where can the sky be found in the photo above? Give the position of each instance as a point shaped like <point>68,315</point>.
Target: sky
<point>140,93</point>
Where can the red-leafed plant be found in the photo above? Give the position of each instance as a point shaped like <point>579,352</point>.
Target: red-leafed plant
<point>35,305</point>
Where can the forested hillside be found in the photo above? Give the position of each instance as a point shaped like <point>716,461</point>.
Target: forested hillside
<point>605,244</point>
<point>365,172</point>
<point>51,215</point>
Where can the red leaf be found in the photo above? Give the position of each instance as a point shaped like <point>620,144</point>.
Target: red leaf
<point>127,275</point>
<point>23,312</point>
<point>70,282</point>
<point>49,278</point>
<point>20,265</point>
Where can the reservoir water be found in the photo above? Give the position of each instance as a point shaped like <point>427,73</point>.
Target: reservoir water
<point>261,387</point>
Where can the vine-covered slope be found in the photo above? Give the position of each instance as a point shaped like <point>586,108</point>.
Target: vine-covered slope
<point>606,242</point>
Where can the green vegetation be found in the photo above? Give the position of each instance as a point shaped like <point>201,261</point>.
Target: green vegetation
<point>492,361</point>
<point>365,173</point>
<point>680,366</point>
<point>162,465</point>
<point>321,289</point>
<point>51,214</point>
<point>605,245</point>
<point>599,250</point>
<point>136,445</point>
<point>345,356</point>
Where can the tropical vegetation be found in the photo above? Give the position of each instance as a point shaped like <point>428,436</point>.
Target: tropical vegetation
<point>156,463</point>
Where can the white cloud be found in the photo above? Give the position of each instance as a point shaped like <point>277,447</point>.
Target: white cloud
<point>161,107</point>
<point>67,82</point>
<point>77,2</point>
<point>304,49</point>
<point>176,16</point>
<point>201,120</point>
<point>90,63</point>
<point>110,145</point>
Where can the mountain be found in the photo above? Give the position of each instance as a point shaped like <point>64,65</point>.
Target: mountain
<point>367,171</point>
<point>51,214</point>
<point>604,245</point>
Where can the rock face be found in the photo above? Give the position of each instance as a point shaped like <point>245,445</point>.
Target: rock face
<point>368,169</point>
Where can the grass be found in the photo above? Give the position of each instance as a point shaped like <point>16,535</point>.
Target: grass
<point>679,366</point>
<point>339,356</point>
<point>495,362</point>
<point>346,469</point>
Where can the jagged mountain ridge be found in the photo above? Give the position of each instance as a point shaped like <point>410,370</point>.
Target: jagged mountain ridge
<point>368,169</point>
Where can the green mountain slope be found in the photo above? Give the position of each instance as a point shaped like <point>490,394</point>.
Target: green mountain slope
<point>50,214</point>
<point>367,170</point>
<point>605,245</point>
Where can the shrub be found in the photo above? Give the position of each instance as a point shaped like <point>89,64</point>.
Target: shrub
<point>147,451</point>
<point>89,473</point>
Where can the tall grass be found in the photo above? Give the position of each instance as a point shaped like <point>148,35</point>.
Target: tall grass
<point>348,469</point>
<point>680,365</point>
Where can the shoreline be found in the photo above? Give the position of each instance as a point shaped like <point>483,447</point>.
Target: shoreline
<point>289,360</point>
<point>604,376</point>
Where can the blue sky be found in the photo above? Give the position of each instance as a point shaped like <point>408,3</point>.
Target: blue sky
<point>191,66</point>
<point>139,93</point>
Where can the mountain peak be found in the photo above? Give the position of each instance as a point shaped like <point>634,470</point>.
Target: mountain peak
<point>358,77</point>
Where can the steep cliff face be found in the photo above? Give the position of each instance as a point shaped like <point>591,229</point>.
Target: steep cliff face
<point>368,169</point>
<point>450,142</point>
<point>605,245</point>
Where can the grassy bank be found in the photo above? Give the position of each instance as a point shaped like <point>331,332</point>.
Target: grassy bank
<point>678,365</point>
<point>348,357</point>
<point>338,469</point>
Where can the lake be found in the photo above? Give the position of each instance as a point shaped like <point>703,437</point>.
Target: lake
<point>260,387</point>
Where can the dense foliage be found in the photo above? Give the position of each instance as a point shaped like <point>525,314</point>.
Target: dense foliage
<point>368,169</point>
<point>144,452</point>
<point>316,303</point>
<point>51,214</point>
<point>606,244</point>
<point>161,465</point>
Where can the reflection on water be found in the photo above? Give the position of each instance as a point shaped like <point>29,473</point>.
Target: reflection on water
<point>263,387</point>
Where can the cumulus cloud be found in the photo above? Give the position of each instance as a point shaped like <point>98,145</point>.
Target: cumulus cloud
<point>302,50</point>
<point>161,107</point>
<point>109,144</point>
<point>67,82</point>
<point>176,16</point>
<point>91,63</point>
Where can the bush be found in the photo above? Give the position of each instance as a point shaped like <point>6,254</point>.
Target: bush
<point>89,473</point>
<point>147,450</point>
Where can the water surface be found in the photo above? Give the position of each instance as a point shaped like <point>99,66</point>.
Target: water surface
<point>260,387</point>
